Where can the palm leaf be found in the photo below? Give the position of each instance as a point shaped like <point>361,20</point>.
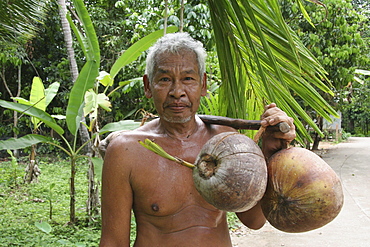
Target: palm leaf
<point>262,61</point>
<point>19,18</point>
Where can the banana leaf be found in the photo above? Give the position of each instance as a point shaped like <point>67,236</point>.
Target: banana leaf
<point>134,51</point>
<point>23,142</point>
<point>89,71</point>
<point>33,112</point>
<point>121,125</point>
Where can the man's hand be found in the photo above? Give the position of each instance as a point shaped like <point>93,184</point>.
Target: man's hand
<point>273,141</point>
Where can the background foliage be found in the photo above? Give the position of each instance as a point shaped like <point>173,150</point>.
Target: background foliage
<point>339,39</point>
<point>120,23</point>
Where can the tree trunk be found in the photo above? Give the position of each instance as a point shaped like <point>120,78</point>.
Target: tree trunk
<point>72,202</point>
<point>351,126</point>
<point>15,135</point>
<point>15,123</point>
<point>32,170</point>
<point>317,139</point>
<point>85,138</point>
<point>68,39</point>
<point>93,201</point>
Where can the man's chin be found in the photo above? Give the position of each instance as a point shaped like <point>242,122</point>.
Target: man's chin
<point>179,120</point>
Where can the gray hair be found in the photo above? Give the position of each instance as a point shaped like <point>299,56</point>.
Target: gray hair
<point>174,43</point>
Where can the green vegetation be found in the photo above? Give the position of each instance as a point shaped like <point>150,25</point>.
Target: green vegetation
<point>242,73</point>
<point>339,39</point>
<point>23,206</point>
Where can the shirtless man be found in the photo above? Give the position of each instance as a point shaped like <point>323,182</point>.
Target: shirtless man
<point>168,209</point>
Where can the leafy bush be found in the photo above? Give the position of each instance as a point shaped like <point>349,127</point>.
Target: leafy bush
<point>345,135</point>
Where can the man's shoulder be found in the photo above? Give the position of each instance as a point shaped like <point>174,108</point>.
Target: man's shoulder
<point>217,129</point>
<point>124,137</point>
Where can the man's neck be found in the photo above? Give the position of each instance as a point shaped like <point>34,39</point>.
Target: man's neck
<point>180,131</point>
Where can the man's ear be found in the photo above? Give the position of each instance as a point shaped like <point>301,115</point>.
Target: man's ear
<point>148,92</point>
<point>204,85</point>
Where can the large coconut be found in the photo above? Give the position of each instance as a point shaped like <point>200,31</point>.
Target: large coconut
<point>230,172</point>
<point>303,192</point>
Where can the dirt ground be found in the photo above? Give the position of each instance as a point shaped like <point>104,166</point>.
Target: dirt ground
<point>351,161</point>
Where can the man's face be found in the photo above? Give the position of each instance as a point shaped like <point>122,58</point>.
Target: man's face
<point>176,87</point>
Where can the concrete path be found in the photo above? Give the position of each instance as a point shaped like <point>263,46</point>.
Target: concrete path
<point>351,228</point>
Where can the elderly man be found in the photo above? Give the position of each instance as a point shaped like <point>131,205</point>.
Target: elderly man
<point>168,209</point>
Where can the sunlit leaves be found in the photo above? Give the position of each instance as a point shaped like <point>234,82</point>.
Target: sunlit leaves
<point>94,101</point>
<point>105,78</point>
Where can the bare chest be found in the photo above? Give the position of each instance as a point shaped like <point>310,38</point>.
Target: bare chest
<point>162,188</point>
<point>170,203</point>
<point>165,200</point>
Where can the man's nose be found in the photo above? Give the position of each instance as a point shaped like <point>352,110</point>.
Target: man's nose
<point>177,90</point>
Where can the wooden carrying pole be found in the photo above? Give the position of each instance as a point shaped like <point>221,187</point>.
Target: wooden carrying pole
<point>241,123</point>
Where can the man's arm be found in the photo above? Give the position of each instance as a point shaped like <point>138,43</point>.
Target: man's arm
<point>272,141</point>
<point>253,218</point>
<point>116,197</point>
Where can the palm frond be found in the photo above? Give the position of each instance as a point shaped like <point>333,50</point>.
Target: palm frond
<point>19,18</point>
<point>262,60</point>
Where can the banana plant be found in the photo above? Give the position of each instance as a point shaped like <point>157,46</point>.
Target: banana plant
<point>39,98</point>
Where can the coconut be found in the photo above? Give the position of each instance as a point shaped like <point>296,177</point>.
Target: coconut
<point>230,172</point>
<point>303,192</point>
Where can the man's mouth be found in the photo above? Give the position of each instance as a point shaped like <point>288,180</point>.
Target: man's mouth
<point>177,106</point>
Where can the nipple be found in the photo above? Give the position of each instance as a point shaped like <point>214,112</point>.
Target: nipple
<point>155,207</point>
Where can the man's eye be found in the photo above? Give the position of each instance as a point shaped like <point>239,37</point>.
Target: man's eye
<point>165,79</point>
<point>189,78</point>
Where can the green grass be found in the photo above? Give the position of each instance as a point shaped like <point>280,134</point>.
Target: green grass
<point>22,205</point>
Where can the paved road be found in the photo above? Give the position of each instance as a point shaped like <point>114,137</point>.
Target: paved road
<point>351,228</point>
